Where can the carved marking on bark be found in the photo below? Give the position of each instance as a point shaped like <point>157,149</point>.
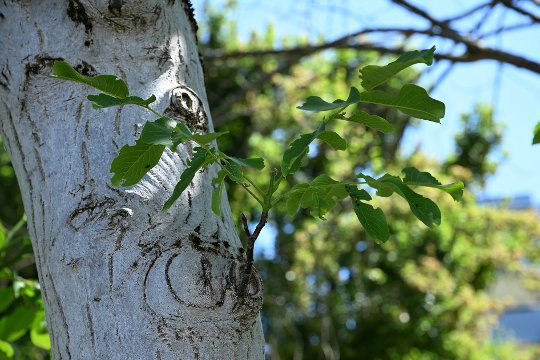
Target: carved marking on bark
<point>5,77</point>
<point>62,316</point>
<point>78,115</point>
<point>111,272</point>
<point>89,212</point>
<point>91,327</point>
<point>117,119</point>
<point>85,160</point>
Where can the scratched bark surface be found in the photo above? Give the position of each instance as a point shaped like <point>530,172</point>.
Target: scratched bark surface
<point>120,279</point>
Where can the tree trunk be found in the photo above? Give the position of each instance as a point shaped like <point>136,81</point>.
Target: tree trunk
<point>120,278</point>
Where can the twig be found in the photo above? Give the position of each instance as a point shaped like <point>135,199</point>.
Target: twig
<point>251,238</point>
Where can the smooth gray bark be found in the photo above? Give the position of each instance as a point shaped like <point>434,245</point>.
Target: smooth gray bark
<point>120,279</point>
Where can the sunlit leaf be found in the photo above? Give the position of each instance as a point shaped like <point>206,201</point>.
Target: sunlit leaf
<point>38,333</point>
<point>108,84</point>
<point>418,178</point>
<point>201,158</point>
<point>333,139</point>
<point>180,134</point>
<point>158,132</point>
<point>217,192</point>
<point>423,208</point>
<point>6,349</point>
<point>412,100</point>
<point>104,101</point>
<point>536,138</point>
<point>372,121</point>
<point>374,75</point>
<point>133,162</point>
<point>320,196</point>
<point>315,103</point>
<point>203,139</point>
<point>254,163</point>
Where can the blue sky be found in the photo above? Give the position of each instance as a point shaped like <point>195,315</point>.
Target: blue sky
<point>467,84</point>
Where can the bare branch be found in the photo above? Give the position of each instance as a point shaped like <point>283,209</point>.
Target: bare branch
<point>509,4</point>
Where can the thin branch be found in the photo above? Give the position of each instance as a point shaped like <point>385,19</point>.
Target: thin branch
<point>506,29</point>
<point>474,53</point>
<point>468,12</point>
<point>509,4</point>
<point>248,266</point>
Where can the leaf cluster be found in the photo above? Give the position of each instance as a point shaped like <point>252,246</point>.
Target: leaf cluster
<point>318,196</point>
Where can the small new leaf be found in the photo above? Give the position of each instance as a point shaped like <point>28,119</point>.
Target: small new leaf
<point>419,178</point>
<point>133,162</point>
<point>217,192</point>
<point>372,219</point>
<point>108,84</point>
<point>101,101</point>
<point>320,196</point>
<point>201,158</point>
<point>372,121</point>
<point>315,103</point>
<point>374,75</point>
<point>333,139</point>
<point>412,100</point>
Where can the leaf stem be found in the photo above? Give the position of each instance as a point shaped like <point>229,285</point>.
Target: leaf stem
<point>286,194</point>
<point>152,111</point>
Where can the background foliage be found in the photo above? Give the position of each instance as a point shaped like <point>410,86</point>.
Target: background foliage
<point>330,292</point>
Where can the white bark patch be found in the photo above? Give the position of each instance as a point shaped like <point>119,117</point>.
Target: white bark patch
<point>120,279</point>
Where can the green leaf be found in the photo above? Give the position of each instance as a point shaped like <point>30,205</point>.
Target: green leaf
<point>333,139</point>
<point>418,178</point>
<point>372,121</point>
<point>234,171</point>
<point>297,150</point>
<point>6,349</point>
<point>180,134</point>
<point>109,84</point>
<point>7,295</point>
<point>216,193</point>
<point>373,220</point>
<point>15,324</point>
<point>536,138</point>
<point>412,100</point>
<point>423,208</point>
<point>204,139</point>
<point>158,132</point>
<point>374,75</point>
<point>38,333</point>
<point>133,162</point>
<point>315,103</point>
<point>201,158</point>
<point>254,163</point>
<point>165,131</point>
<point>321,195</point>
<point>104,101</point>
